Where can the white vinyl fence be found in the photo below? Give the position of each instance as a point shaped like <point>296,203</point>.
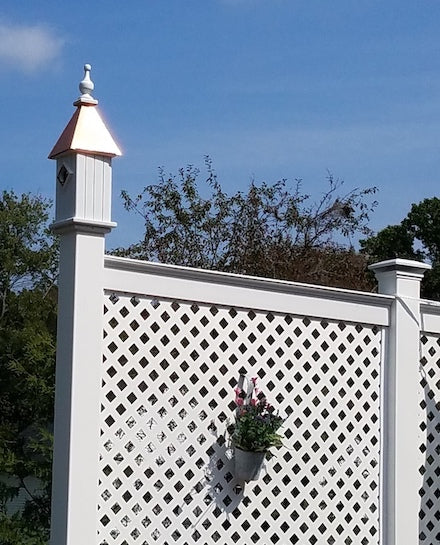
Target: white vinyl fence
<point>172,358</point>
<point>429,424</point>
<point>148,358</point>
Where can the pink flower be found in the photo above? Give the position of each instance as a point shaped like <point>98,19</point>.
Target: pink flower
<point>239,401</point>
<point>254,380</point>
<point>253,402</point>
<point>237,391</point>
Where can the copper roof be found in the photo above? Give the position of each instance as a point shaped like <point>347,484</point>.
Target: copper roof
<point>86,131</point>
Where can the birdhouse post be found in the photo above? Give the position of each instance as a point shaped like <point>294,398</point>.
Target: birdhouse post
<point>83,155</point>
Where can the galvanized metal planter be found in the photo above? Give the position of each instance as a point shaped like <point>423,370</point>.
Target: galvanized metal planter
<point>248,464</point>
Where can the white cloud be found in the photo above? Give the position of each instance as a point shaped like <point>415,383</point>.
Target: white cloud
<point>28,47</point>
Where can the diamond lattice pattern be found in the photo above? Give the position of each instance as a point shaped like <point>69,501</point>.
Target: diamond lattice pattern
<point>430,444</point>
<point>166,468</point>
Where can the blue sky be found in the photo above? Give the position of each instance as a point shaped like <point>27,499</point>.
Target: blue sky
<point>268,88</point>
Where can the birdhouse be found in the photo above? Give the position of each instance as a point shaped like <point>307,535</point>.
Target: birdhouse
<point>83,154</point>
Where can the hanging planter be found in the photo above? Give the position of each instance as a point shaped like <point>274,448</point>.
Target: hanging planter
<point>254,431</point>
<point>248,464</point>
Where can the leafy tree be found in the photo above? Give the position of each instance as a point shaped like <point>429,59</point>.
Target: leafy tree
<point>273,230</point>
<point>270,230</point>
<point>28,257</point>
<point>416,237</point>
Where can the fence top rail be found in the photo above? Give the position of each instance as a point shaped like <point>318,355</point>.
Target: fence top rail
<point>430,316</point>
<point>432,307</point>
<point>247,282</point>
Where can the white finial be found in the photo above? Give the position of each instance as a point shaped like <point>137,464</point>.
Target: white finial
<point>86,87</point>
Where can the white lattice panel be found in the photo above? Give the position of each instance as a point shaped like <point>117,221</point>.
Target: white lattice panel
<point>430,443</point>
<point>166,474</point>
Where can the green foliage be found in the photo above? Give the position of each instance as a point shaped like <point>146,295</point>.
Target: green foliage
<point>423,224</point>
<point>416,237</point>
<point>272,230</point>
<point>28,259</point>
<point>16,530</point>
<point>27,253</point>
<point>256,423</point>
<point>393,241</point>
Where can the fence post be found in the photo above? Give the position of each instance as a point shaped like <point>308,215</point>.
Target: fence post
<point>400,478</point>
<point>83,206</point>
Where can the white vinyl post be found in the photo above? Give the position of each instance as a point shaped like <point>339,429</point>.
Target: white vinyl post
<point>400,478</point>
<point>83,193</point>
